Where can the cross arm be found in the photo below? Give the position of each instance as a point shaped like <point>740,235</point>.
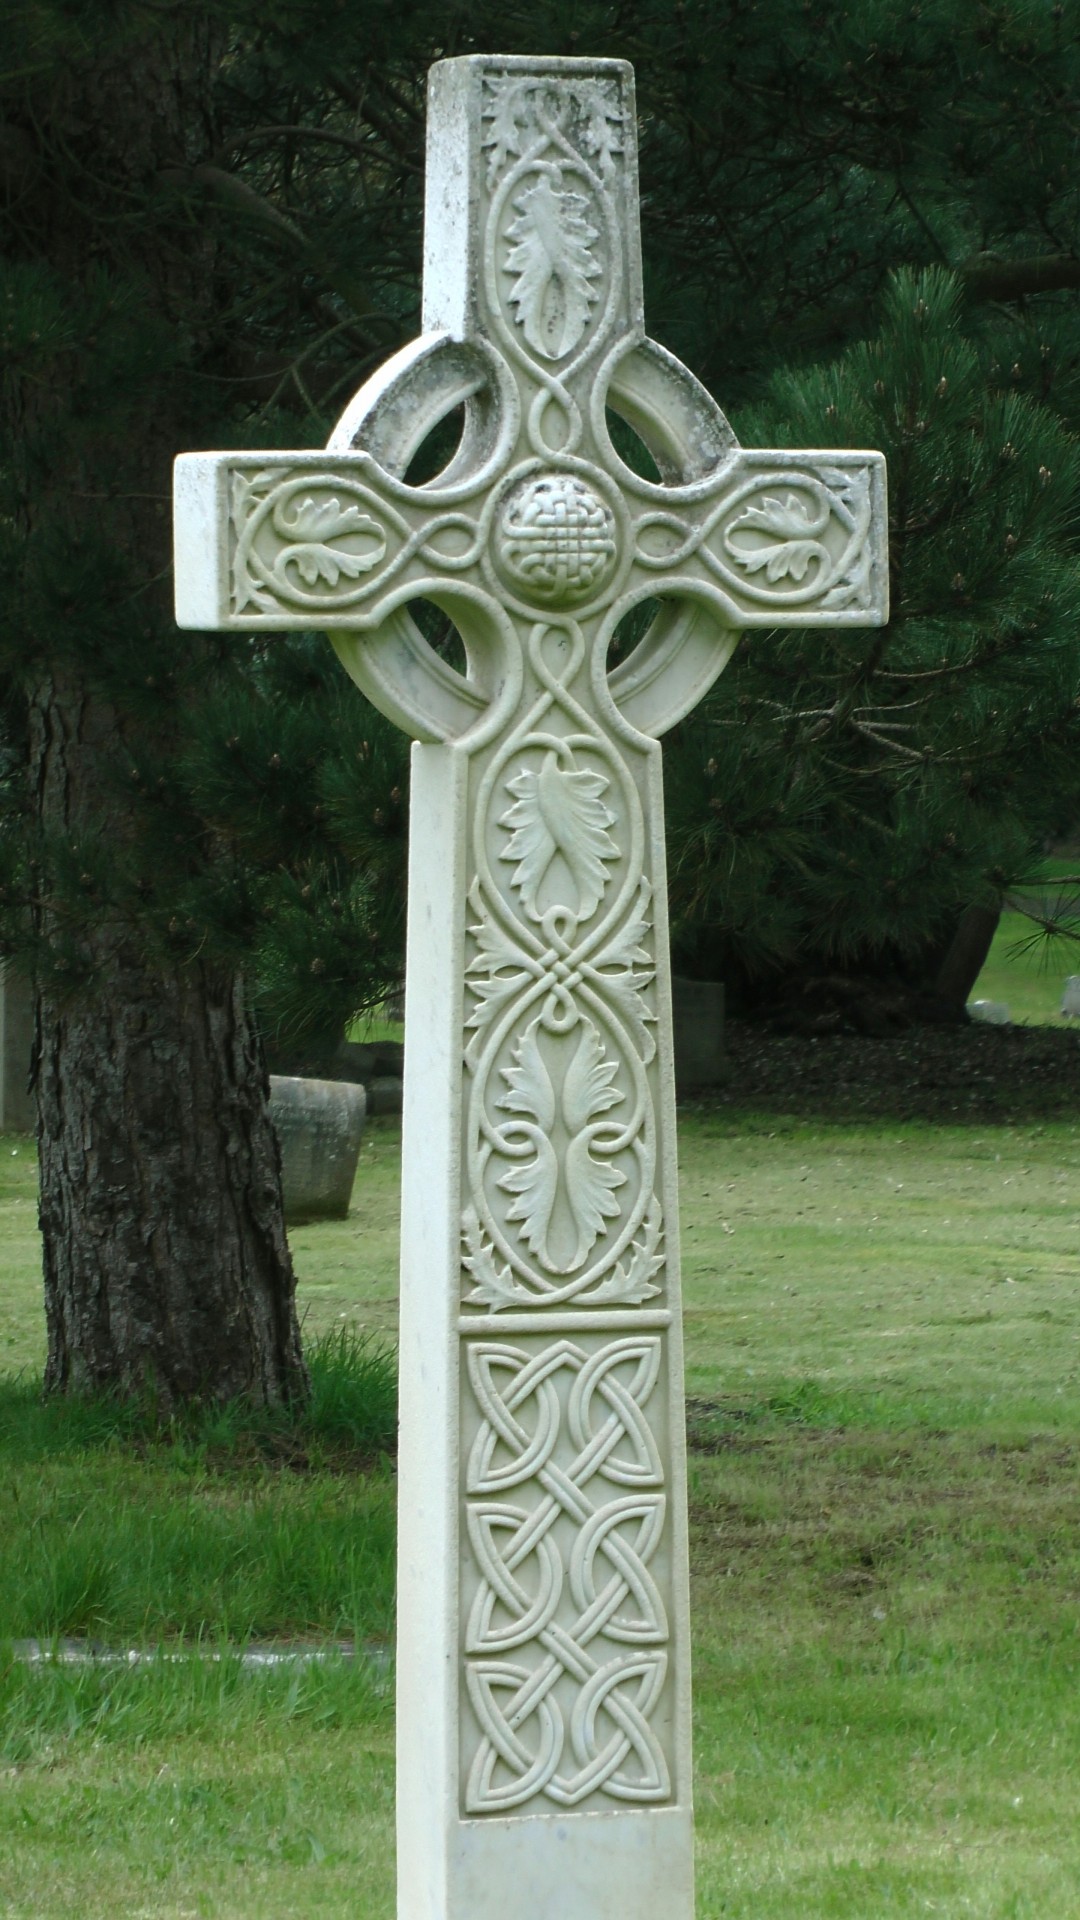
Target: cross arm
<point>277,541</point>
<point>777,539</point>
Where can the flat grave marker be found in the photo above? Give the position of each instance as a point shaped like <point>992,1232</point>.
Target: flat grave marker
<point>543,1639</point>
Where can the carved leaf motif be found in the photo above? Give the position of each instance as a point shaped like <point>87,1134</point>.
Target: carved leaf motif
<point>508,108</point>
<point>536,1181</point>
<point>495,1285</point>
<point>587,1089</point>
<point>559,811</point>
<point>792,524</point>
<point>590,1187</point>
<point>603,119</point>
<point>590,1183</point>
<point>633,1282</point>
<point>624,968</point>
<point>497,970</point>
<point>554,265</point>
<point>587,112</point>
<point>529,1088</point>
<point>313,525</point>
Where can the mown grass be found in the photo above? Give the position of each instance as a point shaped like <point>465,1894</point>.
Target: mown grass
<point>224,1526</point>
<point>883,1331</point>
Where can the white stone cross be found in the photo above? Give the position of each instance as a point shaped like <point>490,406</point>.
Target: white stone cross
<point>543,1661</point>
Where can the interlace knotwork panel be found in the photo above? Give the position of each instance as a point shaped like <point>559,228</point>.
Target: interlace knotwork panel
<point>566,1584</point>
<point>561,1141</point>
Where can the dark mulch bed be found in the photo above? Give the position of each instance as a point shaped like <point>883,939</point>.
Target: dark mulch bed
<point>950,1073</point>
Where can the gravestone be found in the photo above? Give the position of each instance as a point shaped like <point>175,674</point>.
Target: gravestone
<point>1070,999</point>
<point>543,1659</point>
<point>697,1026</point>
<point>319,1126</point>
<point>989,1013</point>
<point>18,1108</point>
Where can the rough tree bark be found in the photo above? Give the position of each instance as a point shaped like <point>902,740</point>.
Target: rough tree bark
<point>167,1271</point>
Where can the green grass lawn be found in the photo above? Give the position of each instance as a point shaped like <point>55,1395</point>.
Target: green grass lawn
<point>883,1345</point>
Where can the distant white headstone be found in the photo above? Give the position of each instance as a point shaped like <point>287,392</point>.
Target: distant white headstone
<point>1070,999</point>
<point>543,1649</point>
<point>989,1013</point>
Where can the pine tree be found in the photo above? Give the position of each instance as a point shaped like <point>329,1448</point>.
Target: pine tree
<point>841,801</point>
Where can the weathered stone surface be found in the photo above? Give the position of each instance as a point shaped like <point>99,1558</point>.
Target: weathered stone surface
<point>991,1013</point>
<point>319,1125</point>
<point>543,1645</point>
<point>18,1108</point>
<point>697,1012</point>
<point>1070,999</point>
<point>385,1093</point>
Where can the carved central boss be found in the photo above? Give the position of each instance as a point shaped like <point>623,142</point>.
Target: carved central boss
<point>540,1283</point>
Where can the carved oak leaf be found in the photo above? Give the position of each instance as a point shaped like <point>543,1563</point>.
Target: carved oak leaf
<point>508,106</point>
<point>792,524</point>
<point>559,811</point>
<point>313,525</point>
<point>554,265</point>
<point>535,1181</point>
<point>587,1092</point>
<point>603,121</point>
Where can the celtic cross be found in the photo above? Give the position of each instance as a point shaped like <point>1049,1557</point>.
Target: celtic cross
<point>543,1676</point>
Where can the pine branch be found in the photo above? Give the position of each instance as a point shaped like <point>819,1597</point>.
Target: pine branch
<point>988,279</point>
<point>235,193</point>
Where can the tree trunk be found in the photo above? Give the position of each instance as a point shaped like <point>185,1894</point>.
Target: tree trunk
<point>966,955</point>
<point>167,1271</point>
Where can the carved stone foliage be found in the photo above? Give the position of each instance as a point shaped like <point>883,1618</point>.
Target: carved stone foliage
<point>781,540</point>
<point>525,113</point>
<point>306,540</point>
<point>770,541</point>
<point>551,246</point>
<point>561,1142</point>
<point>566,1621</point>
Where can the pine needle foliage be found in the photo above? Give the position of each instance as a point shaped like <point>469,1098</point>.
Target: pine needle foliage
<point>867,786</point>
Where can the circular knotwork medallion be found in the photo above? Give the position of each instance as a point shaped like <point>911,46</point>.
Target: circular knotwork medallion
<point>555,541</point>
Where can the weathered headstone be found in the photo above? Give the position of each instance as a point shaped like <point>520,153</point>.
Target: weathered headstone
<point>543,1663</point>
<point>18,1108</point>
<point>319,1126</point>
<point>1070,999</point>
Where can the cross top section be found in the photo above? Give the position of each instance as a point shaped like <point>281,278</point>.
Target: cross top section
<point>533,324</point>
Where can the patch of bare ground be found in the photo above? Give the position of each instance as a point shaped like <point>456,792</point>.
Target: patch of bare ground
<point>953,1074</point>
<point>855,1510</point>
